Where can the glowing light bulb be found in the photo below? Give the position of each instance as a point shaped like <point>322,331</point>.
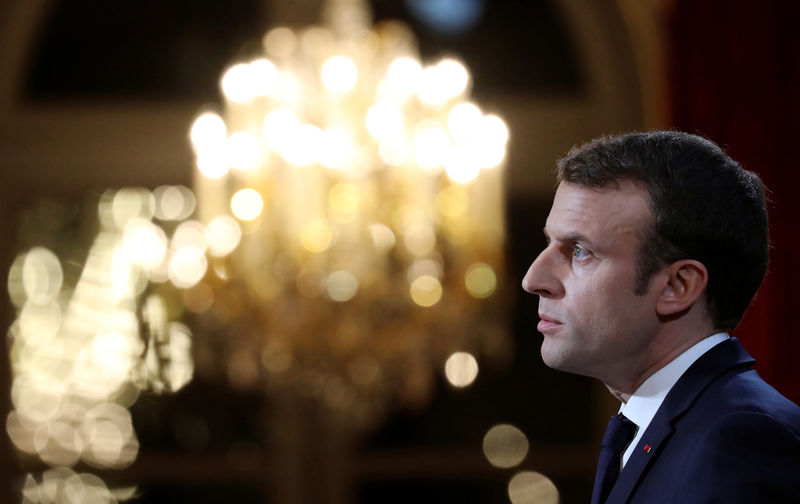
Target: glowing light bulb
<point>336,148</point>
<point>190,234</point>
<point>42,275</point>
<point>402,79</point>
<point>223,234</point>
<point>174,203</point>
<point>244,151</point>
<point>237,83</point>
<point>213,164</point>
<point>395,151</point>
<point>265,77</point>
<point>443,81</point>
<point>145,243</point>
<point>464,122</point>
<point>454,75</point>
<point>208,130</point>
<point>302,145</point>
<point>463,164</point>
<point>339,74</point>
<point>494,129</point>
<point>279,125</point>
<point>431,144</point>
<point>187,267</point>
<point>247,204</point>
<point>384,120</point>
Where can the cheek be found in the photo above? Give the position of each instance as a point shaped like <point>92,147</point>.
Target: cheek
<point>588,294</point>
<point>602,302</point>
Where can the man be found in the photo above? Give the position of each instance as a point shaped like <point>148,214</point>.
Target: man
<point>657,242</point>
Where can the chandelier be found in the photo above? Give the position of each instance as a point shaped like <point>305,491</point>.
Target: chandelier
<point>347,243</point>
<point>353,202</point>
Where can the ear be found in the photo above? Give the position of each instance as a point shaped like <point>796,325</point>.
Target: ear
<point>685,282</point>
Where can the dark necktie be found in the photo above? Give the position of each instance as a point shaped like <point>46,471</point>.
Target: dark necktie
<point>619,433</point>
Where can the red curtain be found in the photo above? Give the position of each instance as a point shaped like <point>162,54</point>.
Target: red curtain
<point>735,78</point>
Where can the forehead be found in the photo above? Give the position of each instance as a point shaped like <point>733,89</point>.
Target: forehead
<point>599,214</point>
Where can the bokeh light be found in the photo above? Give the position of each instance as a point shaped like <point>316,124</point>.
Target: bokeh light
<point>280,42</point>
<point>464,122</point>
<point>385,120</point>
<point>505,446</point>
<point>339,74</point>
<point>190,233</point>
<point>382,236</point>
<point>529,487</point>
<point>243,151</point>
<point>247,204</point>
<point>187,266</point>
<point>317,236</point>
<point>265,77</point>
<point>208,132</point>
<point>336,148</point>
<point>419,239</point>
<point>130,203</point>
<point>214,163</point>
<point>443,81</point>
<point>302,145</point>
<point>402,79</point>
<point>463,163</point>
<point>42,275</point>
<point>341,286</point>
<point>238,84</point>
<point>343,201</point>
<point>431,144</point>
<point>395,151</point>
<point>480,280</point>
<point>145,243</point>
<point>174,203</point>
<point>461,369</point>
<point>223,235</point>
<point>278,127</point>
<point>426,291</point>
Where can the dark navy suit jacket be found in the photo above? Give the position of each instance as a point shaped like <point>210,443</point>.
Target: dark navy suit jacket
<point>722,435</point>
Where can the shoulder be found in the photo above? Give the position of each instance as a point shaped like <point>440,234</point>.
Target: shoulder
<point>745,396</point>
<point>746,456</point>
<point>743,443</point>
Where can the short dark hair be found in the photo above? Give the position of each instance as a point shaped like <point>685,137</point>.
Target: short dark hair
<point>705,206</point>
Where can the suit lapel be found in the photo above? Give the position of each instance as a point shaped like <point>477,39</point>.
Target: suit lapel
<point>721,358</point>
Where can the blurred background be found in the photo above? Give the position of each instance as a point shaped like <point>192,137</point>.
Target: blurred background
<point>199,315</point>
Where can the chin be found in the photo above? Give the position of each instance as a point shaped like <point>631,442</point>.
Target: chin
<point>555,356</point>
<point>552,357</point>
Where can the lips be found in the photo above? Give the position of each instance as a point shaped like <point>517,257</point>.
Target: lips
<point>547,323</point>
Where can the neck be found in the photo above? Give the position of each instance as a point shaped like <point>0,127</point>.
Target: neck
<point>664,348</point>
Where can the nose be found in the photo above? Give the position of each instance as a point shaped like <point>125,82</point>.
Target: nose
<point>541,278</point>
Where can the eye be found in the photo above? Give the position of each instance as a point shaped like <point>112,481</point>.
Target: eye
<point>579,252</point>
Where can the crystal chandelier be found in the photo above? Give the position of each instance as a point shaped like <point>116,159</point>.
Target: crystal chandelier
<point>352,197</point>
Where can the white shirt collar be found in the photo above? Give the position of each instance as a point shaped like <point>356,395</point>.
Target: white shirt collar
<point>644,403</point>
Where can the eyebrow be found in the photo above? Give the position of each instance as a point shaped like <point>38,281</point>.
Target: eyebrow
<point>568,238</point>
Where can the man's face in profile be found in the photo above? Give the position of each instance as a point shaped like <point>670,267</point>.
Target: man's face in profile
<point>592,321</point>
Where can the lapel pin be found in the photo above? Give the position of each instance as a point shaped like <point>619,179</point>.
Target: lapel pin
<point>647,448</point>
